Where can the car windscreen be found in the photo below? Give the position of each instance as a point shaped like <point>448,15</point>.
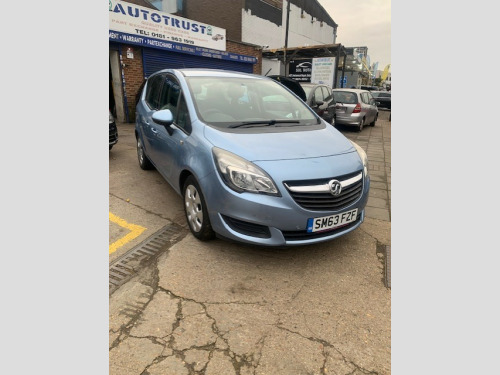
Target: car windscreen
<point>230,102</point>
<point>345,97</point>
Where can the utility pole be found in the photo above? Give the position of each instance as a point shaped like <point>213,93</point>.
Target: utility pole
<point>286,36</point>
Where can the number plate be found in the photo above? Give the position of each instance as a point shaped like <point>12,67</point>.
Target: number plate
<point>324,223</point>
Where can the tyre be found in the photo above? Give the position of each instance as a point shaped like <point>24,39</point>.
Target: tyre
<point>144,162</point>
<point>196,210</point>
<point>361,124</point>
<point>374,120</point>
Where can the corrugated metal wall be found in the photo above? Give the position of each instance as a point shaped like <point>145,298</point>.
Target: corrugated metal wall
<point>154,60</point>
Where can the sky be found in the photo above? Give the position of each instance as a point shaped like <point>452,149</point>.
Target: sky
<point>363,23</point>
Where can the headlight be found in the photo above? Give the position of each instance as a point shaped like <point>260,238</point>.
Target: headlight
<point>241,175</point>
<point>362,155</point>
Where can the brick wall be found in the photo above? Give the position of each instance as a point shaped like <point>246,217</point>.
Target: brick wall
<point>244,49</point>
<point>221,13</point>
<point>134,76</point>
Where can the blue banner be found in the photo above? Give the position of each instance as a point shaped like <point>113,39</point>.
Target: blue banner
<point>178,47</point>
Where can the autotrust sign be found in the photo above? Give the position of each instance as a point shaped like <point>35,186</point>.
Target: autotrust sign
<point>146,23</point>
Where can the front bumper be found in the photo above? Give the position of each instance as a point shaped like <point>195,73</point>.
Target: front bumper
<point>269,220</point>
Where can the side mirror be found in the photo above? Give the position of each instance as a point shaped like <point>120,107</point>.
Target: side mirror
<point>163,117</point>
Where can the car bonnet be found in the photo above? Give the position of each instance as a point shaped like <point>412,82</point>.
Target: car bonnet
<point>283,145</point>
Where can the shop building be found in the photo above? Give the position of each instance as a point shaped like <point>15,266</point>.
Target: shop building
<point>143,40</point>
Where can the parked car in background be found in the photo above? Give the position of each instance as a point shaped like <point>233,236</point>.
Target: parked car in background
<point>292,84</point>
<point>113,131</point>
<point>252,162</point>
<point>320,99</point>
<point>369,88</point>
<point>355,108</point>
<point>383,98</point>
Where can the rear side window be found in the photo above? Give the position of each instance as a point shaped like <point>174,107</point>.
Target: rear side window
<point>153,90</point>
<point>345,97</point>
<point>364,98</point>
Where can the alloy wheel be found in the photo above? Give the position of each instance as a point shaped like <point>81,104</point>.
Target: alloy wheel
<point>194,209</point>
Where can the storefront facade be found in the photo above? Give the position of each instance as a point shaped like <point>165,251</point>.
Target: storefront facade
<point>143,40</point>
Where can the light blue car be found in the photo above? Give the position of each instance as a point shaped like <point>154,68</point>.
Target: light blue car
<point>251,160</point>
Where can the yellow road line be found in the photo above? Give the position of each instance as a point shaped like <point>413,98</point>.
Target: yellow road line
<point>135,231</point>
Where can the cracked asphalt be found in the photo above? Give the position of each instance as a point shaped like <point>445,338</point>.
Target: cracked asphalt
<point>219,308</point>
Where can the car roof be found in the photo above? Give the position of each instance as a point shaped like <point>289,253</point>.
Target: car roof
<point>195,72</point>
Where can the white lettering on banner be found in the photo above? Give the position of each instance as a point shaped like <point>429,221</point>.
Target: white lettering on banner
<point>133,19</point>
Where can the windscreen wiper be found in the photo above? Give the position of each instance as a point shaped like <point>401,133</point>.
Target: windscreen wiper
<point>264,123</point>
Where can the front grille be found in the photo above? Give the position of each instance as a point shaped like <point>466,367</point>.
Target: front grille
<point>323,200</point>
<point>246,228</point>
<point>304,235</point>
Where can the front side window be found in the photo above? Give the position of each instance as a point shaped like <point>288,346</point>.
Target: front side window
<point>153,90</point>
<point>370,98</point>
<point>170,95</point>
<point>318,95</point>
<point>327,93</point>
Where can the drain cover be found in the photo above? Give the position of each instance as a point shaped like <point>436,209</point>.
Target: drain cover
<point>123,268</point>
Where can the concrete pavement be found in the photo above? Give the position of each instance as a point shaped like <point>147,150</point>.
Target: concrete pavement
<point>223,308</point>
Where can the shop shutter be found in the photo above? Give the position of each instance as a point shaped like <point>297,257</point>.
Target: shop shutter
<point>155,59</point>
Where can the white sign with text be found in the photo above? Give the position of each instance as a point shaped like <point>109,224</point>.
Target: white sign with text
<point>323,69</point>
<point>152,24</point>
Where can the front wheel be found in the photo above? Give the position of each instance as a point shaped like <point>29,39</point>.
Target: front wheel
<point>374,120</point>
<point>196,211</point>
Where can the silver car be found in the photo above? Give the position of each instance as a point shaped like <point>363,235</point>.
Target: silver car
<point>355,108</point>
<point>251,160</point>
